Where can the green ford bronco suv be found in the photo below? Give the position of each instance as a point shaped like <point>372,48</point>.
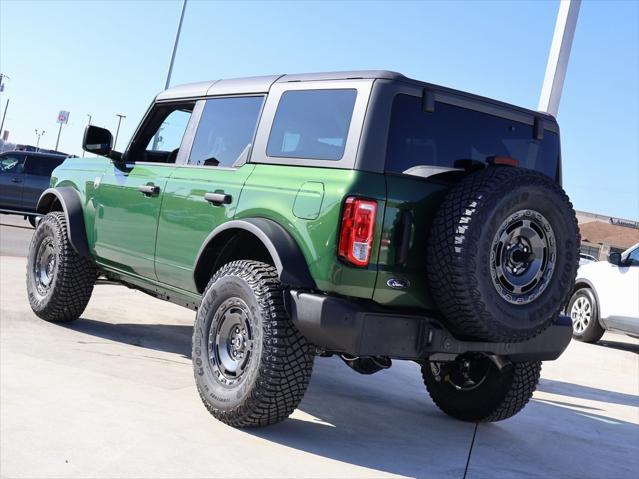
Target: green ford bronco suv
<point>362,214</point>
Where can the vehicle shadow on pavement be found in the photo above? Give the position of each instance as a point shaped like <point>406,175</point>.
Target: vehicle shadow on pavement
<point>387,422</point>
<point>631,348</point>
<point>585,392</point>
<point>170,338</point>
<point>549,440</point>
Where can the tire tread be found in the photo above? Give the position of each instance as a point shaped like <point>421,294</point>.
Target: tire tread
<point>287,359</point>
<point>74,280</point>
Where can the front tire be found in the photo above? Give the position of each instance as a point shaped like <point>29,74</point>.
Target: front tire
<point>251,364</point>
<point>472,388</point>
<point>584,313</point>
<point>59,281</point>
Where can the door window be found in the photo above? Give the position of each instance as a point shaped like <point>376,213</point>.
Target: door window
<point>12,164</point>
<point>169,134</point>
<point>160,137</point>
<point>225,131</point>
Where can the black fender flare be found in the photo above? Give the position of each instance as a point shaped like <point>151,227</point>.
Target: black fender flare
<point>287,256</point>
<point>71,204</point>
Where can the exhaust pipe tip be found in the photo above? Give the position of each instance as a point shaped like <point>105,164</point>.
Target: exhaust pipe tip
<point>367,364</point>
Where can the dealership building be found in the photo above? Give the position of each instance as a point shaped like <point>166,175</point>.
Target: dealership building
<point>602,235</point>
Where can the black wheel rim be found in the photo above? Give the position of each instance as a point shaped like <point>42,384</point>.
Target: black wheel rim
<point>465,373</point>
<point>231,341</point>
<point>44,266</point>
<point>523,255</point>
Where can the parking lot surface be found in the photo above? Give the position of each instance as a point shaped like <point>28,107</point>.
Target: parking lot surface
<point>112,395</point>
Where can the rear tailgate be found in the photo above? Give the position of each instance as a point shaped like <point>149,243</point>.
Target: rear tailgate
<point>427,151</point>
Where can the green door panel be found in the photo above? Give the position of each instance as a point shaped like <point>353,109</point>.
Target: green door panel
<point>421,199</point>
<point>126,219</point>
<point>308,201</point>
<point>271,192</point>
<point>187,218</point>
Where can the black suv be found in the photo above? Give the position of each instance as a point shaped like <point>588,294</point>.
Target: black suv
<point>24,175</point>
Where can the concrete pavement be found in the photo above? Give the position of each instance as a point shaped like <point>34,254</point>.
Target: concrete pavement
<point>15,235</point>
<point>112,395</point>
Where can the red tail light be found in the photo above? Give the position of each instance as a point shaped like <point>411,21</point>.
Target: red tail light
<point>356,234</point>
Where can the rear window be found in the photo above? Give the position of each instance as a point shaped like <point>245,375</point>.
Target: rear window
<point>312,124</point>
<point>452,133</point>
<point>41,166</point>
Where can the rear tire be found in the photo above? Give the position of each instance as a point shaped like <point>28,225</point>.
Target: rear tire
<point>251,364</point>
<point>584,313</point>
<point>59,281</point>
<point>495,394</point>
<point>502,254</point>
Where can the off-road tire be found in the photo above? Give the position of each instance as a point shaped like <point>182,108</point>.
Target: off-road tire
<point>280,365</point>
<point>73,275</point>
<point>503,394</point>
<point>593,331</point>
<point>459,253</point>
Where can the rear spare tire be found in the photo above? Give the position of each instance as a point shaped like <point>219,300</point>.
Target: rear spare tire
<point>503,254</point>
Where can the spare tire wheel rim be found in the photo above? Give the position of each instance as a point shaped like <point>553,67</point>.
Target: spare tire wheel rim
<point>230,341</point>
<point>523,256</point>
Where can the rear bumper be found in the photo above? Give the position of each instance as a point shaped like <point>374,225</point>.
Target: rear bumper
<point>361,328</point>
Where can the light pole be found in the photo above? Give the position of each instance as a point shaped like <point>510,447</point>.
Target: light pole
<point>4,115</point>
<point>168,75</point>
<point>87,125</point>
<point>2,77</point>
<point>175,45</point>
<point>115,142</point>
<point>558,56</point>
<point>39,134</point>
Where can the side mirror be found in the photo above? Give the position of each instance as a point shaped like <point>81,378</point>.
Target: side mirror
<point>97,140</point>
<point>615,258</point>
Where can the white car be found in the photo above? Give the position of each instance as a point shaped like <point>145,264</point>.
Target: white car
<point>606,297</point>
<point>586,258</point>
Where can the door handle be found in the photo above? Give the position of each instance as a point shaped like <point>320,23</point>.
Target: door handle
<point>149,190</point>
<point>16,180</point>
<point>218,199</point>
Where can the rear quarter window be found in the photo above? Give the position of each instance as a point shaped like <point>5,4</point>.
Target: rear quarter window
<point>41,166</point>
<point>451,133</point>
<point>312,124</point>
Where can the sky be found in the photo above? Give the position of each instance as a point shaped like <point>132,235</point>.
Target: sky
<point>108,57</point>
